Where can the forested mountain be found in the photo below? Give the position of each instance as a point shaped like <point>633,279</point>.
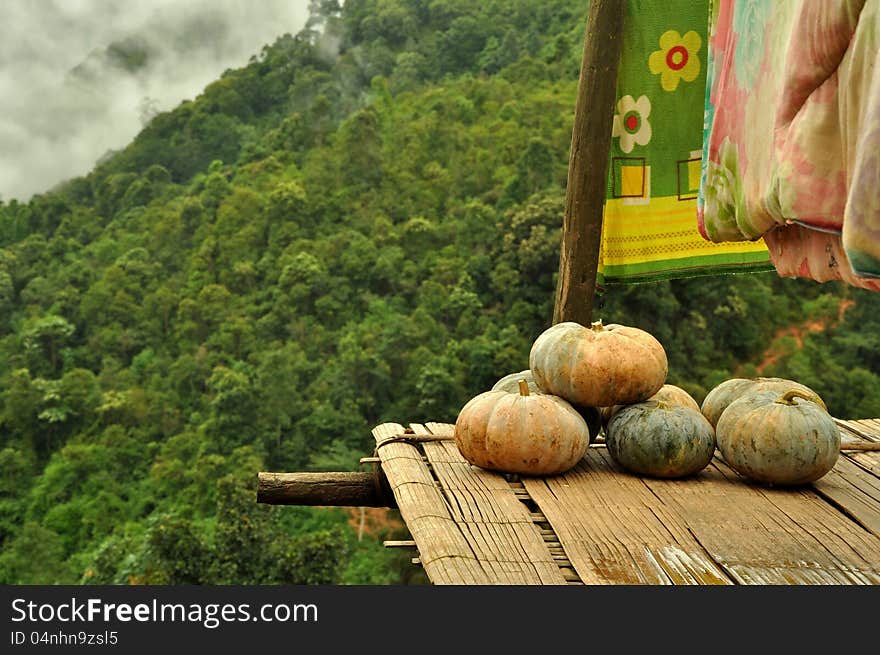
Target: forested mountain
<point>360,225</point>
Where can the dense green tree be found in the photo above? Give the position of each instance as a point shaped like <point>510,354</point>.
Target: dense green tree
<point>359,225</point>
<point>34,556</point>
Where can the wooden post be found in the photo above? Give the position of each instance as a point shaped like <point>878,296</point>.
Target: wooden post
<point>345,489</point>
<point>588,163</point>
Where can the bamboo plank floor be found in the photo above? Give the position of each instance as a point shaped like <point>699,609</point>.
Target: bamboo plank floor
<point>597,524</point>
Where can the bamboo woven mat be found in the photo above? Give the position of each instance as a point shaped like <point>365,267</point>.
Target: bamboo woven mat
<point>597,524</point>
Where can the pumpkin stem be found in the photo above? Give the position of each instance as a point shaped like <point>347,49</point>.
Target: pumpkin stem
<point>788,397</point>
<point>596,326</point>
<point>523,388</point>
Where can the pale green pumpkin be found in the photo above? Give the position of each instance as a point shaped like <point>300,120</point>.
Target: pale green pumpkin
<point>719,398</point>
<point>669,393</point>
<point>779,438</point>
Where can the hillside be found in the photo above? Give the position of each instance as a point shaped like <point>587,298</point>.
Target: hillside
<point>360,225</point>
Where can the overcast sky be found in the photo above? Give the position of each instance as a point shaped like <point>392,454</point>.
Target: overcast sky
<point>54,126</point>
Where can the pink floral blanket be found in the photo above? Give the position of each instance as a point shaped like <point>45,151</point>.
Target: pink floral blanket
<point>791,149</point>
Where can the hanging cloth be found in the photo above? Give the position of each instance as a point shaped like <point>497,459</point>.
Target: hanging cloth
<point>792,145</point>
<point>649,222</point>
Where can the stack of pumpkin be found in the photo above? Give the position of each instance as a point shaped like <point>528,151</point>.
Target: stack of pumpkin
<point>541,421</point>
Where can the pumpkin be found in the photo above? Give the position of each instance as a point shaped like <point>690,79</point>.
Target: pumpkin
<point>510,383</point>
<point>779,438</point>
<point>598,366</point>
<point>717,400</point>
<point>669,393</point>
<point>532,434</point>
<point>660,439</point>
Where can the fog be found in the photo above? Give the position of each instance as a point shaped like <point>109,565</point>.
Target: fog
<point>64,103</point>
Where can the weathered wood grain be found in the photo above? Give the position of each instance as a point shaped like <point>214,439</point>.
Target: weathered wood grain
<point>614,532</point>
<point>766,535</point>
<point>597,524</point>
<point>588,163</point>
<point>495,522</point>
<point>855,491</point>
<point>343,489</point>
<point>852,431</point>
<point>444,552</point>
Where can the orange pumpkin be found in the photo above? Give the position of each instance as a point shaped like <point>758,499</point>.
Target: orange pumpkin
<point>598,366</point>
<point>510,383</point>
<point>533,434</point>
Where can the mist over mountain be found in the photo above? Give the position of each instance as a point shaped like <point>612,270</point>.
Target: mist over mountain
<point>79,78</point>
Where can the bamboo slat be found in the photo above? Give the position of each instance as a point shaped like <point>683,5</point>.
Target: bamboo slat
<point>855,490</point>
<point>444,552</point>
<point>864,430</point>
<point>496,523</point>
<point>803,540</point>
<point>597,524</point>
<point>622,529</point>
<point>612,532</point>
<point>859,430</point>
<point>870,425</point>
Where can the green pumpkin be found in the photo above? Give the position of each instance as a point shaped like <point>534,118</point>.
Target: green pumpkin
<point>510,384</point>
<point>660,439</point>
<point>778,438</point>
<point>719,398</point>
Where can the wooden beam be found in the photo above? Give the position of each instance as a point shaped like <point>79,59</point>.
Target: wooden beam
<point>346,489</point>
<point>860,445</point>
<point>588,163</point>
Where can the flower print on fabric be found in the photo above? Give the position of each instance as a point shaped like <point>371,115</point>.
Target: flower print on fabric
<point>631,123</point>
<point>723,195</point>
<point>677,59</point>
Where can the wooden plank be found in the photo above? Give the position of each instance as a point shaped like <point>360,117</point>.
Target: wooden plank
<point>851,431</point>
<point>764,535</point>
<point>857,430</point>
<point>588,162</point>
<point>614,527</point>
<point>868,462</point>
<point>855,491</point>
<point>611,529</point>
<point>495,523</point>
<point>444,552</point>
<point>871,426</point>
